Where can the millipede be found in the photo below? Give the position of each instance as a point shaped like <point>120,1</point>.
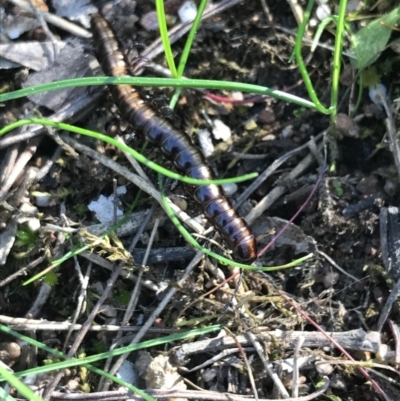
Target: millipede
<point>175,144</point>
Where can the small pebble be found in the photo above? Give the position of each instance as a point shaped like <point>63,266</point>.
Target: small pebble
<point>324,369</point>
<point>354,5</point>
<point>266,116</point>
<point>375,94</point>
<point>149,21</point>
<point>43,200</point>
<point>230,189</point>
<point>369,185</point>
<point>221,131</point>
<point>323,11</point>
<point>330,279</point>
<point>287,132</point>
<point>108,311</point>
<point>128,373</point>
<point>347,126</point>
<point>187,11</point>
<point>205,142</point>
<point>338,382</point>
<point>391,187</point>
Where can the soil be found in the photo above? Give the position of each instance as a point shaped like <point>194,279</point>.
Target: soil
<point>347,191</point>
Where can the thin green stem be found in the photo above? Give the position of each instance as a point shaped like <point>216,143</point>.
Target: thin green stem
<point>320,29</point>
<point>160,82</point>
<point>189,238</point>
<point>162,23</point>
<point>337,59</point>
<point>190,39</point>
<point>140,158</point>
<point>22,388</point>
<point>116,352</point>
<point>300,62</point>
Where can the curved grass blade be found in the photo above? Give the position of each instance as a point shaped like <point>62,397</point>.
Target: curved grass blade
<point>116,352</point>
<point>160,82</point>
<point>300,62</point>
<point>220,258</point>
<point>140,158</point>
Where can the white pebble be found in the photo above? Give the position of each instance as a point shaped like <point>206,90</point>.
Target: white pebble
<point>43,200</point>
<point>287,132</point>
<point>104,206</point>
<point>187,12</point>
<point>323,11</point>
<point>205,142</point>
<point>230,188</point>
<point>128,373</point>
<point>376,92</point>
<point>221,131</point>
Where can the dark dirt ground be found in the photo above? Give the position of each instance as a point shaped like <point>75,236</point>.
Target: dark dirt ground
<point>350,221</point>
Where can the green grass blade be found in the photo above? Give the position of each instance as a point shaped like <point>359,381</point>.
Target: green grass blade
<point>300,62</point>
<point>116,352</point>
<point>160,82</point>
<point>320,30</point>
<point>214,255</point>
<point>337,59</point>
<point>84,361</point>
<point>190,39</point>
<point>139,157</point>
<point>22,388</point>
<point>162,23</point>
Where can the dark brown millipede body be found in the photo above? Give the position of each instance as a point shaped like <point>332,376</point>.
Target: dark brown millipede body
<point>175,144</point>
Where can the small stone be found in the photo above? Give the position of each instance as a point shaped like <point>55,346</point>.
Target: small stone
<point>266,116</point>
<point>347,126</point>
<point>330,279</point>
<point>324,369</point>
<point>187,11</point>
<point>347,76</point>
<point>149,21</point>
<point>230,188</point>
<point>369,185</point>
<point>221,131</point>
<point>323,11</point>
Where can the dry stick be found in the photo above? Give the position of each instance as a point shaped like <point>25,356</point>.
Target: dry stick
<point>135,179</point>
<point>48,164</point>
<point>391,131</point>
<point>23,271</point>
<point>28,179</point>
<point>334,264</point>
<point>396,335</point>
<point>19,166</point>
<point>160,308</point>
<point>388,306</point>
<point>41,299</point>
<point>132,304</point>
<point>336,344</point>
<point>53,19</point>
<point>267,364</point>
<point>272,196</point>
<point>72,112</point>
<point>295,378</point>
<point>98,260</point>
<point>160,394</point>
<point>23,324</point>
<point>222,355</point>
<point>8,163</point>
<point>270,170</point>
<point>84,282</point>
<point>85,328</point>
<point>247,364</point>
